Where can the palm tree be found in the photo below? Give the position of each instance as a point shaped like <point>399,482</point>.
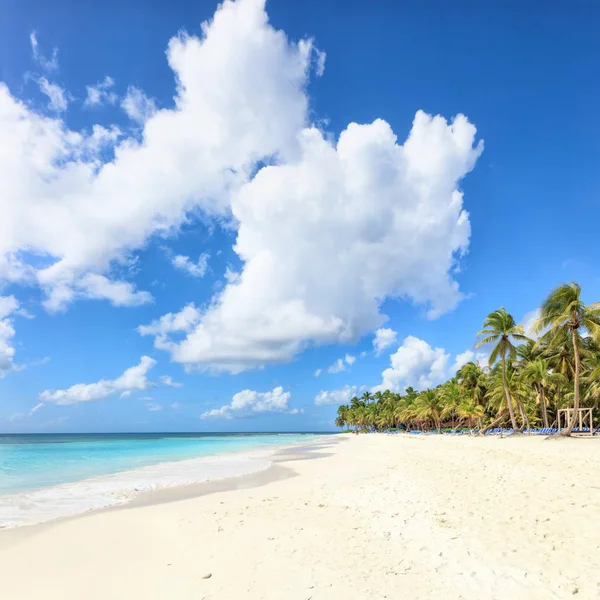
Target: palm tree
<point>563,311</point>
<point>405,411</point>
<point>367,397</point>
<point>528,351</point>
<point>470,412</point>
<point>342,416</point>
<point>429,407</point>
<point>499,327</point>
<point>539,375</point>
<point>472,380</point>
<point>451,395</point>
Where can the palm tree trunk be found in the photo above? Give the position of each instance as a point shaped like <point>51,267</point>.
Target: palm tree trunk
<point>571,422</point>
<point>507,395</point>
<point>524,416</point>
<point>493,423</point>
<point>542,398</point>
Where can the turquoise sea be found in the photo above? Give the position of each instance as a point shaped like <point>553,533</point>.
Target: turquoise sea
<point>44,476</point>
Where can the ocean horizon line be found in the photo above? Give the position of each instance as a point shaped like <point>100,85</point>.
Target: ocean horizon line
<point>266,432</point>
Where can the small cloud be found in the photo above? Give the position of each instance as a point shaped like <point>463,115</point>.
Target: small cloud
<point>341,396</point>
<point>337,367</point>
<point>36,408</point>
<point>175,405</point>
<point>40,362</point>
<point>153,406</point>
<point>101,93</point>
<point>134,378</point>
<point>195,269</point>
<point>20,416</point>
<point>342,363</point>
<point>320,62</point>
<point>248,402</point>
<point>168,381</point>
<point>58,101</point>
<point>47,64</point>
<point>23,312</point>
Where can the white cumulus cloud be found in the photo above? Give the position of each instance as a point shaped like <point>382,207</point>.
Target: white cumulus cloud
<point>363,214</point>
<point>133,379</point>
<point>239,99</point>
<point>384,338</point>
<point>327,229</point>
<point>248,402</point>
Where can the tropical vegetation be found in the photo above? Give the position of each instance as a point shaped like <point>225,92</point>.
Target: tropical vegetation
<point>523,386</point>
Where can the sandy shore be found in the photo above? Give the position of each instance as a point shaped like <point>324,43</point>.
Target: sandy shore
<point>372,516</point>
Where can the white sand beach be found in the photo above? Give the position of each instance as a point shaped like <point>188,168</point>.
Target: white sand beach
<point>370,516</point>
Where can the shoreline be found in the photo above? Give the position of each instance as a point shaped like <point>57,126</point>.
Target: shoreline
<point>121,489</point>
<point>432,517</point>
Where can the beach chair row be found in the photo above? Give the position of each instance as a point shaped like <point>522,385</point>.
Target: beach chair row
<point>501,431</point>
<point>498,431</point>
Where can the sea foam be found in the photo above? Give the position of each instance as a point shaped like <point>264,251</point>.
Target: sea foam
<point>69,499</point>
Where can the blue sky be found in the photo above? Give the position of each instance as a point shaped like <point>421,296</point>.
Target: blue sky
<point>218,170</point>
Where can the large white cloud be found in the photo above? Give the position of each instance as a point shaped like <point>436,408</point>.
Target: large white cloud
<point>326,231</point>
<point>249,402</point>
<point>133,379</point>
<point>327,236</point>
<point>66,212</point>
